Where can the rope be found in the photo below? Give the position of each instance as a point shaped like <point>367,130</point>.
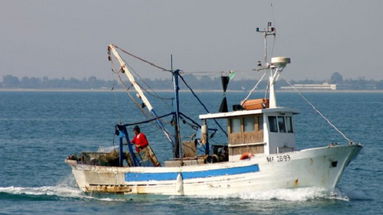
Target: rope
<point>143,110</point>
<point>191,124</point>
<point>115,100</point>
<point>255,86</point>
<point>315,109</point>
<point>194,122</point>
<point>202,104</point>
<point>266,91</point>
<point>156,95</point>
<point>218,72</point>
<point>141,59</point>
<point>149,90</point>
<point>115,71</point>
<point>149,120</point>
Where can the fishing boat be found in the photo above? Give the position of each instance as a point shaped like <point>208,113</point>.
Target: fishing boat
<point>260,151</point>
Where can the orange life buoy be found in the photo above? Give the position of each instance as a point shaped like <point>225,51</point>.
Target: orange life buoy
<point>246,155</point>
<point>254,104</point>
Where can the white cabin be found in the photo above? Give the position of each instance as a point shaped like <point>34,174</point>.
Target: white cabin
<point>261,131</point>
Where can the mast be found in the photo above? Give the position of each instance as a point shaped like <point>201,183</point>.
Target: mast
<point>269,31</point>
<point>177,148</point>
<point>275,66</point>
<point>272,97</point>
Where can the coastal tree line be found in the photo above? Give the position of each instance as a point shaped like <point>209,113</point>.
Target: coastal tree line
<point>197,82</point>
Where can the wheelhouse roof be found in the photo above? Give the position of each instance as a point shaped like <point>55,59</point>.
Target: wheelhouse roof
<point>247,112</point>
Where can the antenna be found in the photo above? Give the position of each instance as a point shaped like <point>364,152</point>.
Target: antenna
<point>268,31</point>
<point>275,66</point>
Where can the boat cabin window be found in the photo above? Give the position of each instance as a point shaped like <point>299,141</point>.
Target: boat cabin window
<point>289,124</point>
<point>260,123</point>
<point>236,125</point>
<point>281,124</point>
<point>246,134</point>
<point>273,124</point>
<point>248,124</point>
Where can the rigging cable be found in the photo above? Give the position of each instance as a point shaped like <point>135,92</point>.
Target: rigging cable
<point>116,105</point>
<point>147,62</point>
<point>149,120</point>
<point>266,91</point>
<point>114,70</point>
<point>255,87</point>
<point>163,69</point>
<point>202,104</point>
<point>216,71</point>
<point>149,91</point>
<point>141,59</point>
<point>145,113</point>
<point>154,94</point>
<point>315,109</point>
<point>115,99</point>
<point>193,124</point>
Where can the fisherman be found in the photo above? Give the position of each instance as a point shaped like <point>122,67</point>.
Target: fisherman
<point>142,146</point>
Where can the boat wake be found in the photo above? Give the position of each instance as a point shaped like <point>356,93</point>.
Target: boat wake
<point>54,191</point>
<point>67,189</point>
<point>298,194</point>
<point>62,191</point>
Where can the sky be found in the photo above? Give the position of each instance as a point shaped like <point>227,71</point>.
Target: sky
<point>69,38</point>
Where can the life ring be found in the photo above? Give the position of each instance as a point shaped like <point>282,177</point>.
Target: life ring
<point>246,155</point>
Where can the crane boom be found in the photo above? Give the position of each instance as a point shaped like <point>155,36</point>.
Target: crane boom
<point>139,91</point>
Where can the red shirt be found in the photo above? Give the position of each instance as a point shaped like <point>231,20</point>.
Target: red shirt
<point>140,141</point>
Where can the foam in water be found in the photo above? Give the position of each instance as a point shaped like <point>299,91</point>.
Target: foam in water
<point>44,190</point>
<point>64,189</point>
<point>298,194</point>
<point>67,189</point>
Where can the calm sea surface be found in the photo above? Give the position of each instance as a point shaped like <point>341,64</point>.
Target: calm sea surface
<point>39,129</point>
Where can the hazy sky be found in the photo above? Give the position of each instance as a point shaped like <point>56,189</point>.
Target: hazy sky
<point>69,38</point>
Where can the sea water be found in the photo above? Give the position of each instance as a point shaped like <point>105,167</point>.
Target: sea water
<point>39,129</point>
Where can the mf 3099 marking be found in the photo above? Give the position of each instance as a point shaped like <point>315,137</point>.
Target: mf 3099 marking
<point>278,158</point>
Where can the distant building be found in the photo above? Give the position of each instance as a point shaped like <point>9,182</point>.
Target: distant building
<point>324,86</point>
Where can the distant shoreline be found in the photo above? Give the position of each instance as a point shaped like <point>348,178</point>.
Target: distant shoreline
<point>196,90</point>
